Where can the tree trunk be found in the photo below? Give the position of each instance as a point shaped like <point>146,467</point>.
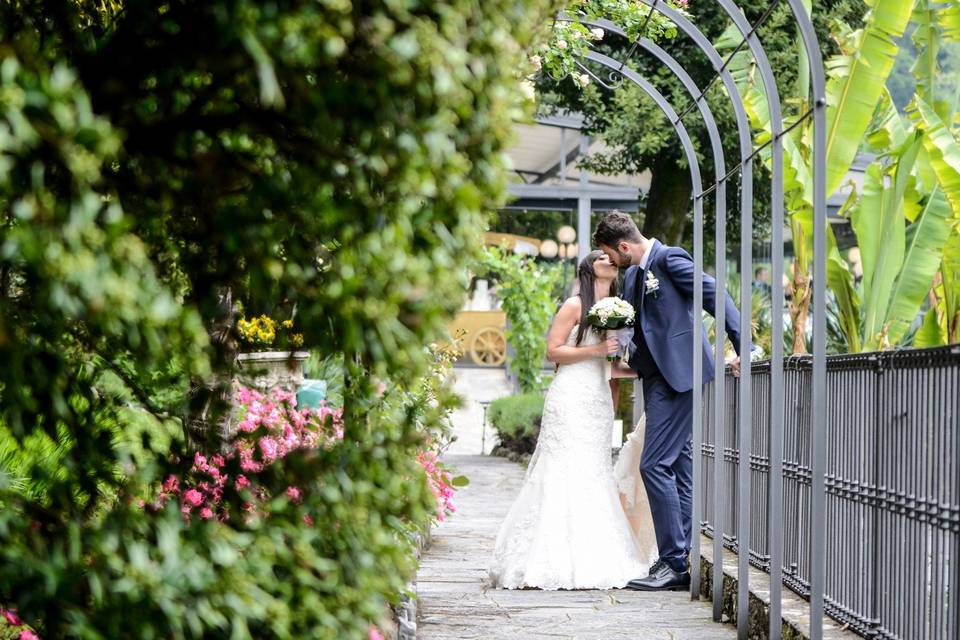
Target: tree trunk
<point>799,307</point>
<point>668,201</point>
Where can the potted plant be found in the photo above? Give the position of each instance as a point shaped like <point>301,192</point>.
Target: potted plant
<point>271,356</point>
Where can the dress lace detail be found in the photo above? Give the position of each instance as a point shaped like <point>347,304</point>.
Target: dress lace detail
<point>567,528</point>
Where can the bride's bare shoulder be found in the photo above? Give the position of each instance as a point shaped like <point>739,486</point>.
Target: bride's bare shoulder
<point>571,305</point>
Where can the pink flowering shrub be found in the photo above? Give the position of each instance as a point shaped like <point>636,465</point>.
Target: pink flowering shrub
<point>440,483</point>
<point>11,626</point>
<point>269,427</point>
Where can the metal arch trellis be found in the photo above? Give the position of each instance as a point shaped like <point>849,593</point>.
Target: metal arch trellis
<point>775,143</point>
<point>720,172</point>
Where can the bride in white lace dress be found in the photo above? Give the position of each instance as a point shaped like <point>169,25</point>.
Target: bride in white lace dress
<point>567,528</point>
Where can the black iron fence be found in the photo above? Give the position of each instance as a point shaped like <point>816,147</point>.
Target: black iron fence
<point>892,483</point>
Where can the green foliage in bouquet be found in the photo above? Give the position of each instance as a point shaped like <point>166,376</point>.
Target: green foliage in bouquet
<point>159,160</point>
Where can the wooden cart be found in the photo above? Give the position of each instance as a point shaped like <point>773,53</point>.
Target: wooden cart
<point>484,337</point>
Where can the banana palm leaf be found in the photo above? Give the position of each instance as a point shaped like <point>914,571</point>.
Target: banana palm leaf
<point>889,130</point>
<point>858,80</point>
<point>863,219</point>
<point>879,223</point>
<point>943,151</point>
<point>948,18</point>
<point>931,333</point>
<point>925,239</point>
<point>926,38</point>
<point>950,272</point>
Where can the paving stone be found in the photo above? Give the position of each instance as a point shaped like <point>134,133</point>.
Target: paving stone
<point>455,601</point>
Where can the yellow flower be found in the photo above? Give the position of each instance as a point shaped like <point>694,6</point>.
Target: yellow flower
<point>296,339</point>
<point>288,324</point>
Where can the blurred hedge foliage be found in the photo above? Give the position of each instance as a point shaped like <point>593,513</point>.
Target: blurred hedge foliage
<point>517,421</point>
<point>159,160</point>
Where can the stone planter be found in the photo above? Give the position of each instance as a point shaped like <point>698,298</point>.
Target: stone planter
<point>272,369</point>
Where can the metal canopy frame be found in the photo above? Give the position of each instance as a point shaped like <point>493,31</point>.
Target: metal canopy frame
<point>618,72</point>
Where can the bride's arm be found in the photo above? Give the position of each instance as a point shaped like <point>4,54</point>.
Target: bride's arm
<point>559,351</point>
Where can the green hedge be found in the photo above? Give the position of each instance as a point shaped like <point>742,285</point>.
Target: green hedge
<point>517,421</point>
<point>164,161</point>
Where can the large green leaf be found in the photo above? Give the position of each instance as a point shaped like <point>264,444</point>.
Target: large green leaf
<point>948,18</point>
<point>864,221</point>
<point>931,332</point>
<point>924,248</point>
<point>926,38</point>
<point>857,81</point>
<point>889,131</point>
<point>950,271</point>
<point>942,149</point>
<point>890,245</point>
<point>839,278</point>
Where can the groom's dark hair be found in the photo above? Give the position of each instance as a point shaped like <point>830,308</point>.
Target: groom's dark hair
<point>616,227</point>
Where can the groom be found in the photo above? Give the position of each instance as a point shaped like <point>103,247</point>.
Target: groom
<point>659,282</point>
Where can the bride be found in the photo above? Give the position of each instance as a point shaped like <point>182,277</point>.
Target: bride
<point>567,528</point>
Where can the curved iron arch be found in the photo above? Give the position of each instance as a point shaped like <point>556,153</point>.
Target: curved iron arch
<point>746,211</point>
<point>818,443</point>
<point>720,170</point>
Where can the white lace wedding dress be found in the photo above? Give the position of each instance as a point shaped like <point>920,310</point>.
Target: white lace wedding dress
<point>567,528</point>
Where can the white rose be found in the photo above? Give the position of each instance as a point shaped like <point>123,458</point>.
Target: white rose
<point>584,80</point>
<point>529,91</point>
<point>536,62</point>
<point>597,33</point>
<point>561,44</point>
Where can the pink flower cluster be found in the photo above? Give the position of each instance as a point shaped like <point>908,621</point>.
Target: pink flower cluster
<point>438,479</point>
<point>270,428</point>
<point>14,620</point>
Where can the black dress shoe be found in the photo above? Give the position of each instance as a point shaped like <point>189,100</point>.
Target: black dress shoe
<point>656,565</point>
<point>663,579</point>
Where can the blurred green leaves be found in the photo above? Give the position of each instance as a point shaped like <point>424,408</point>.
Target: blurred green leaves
<point>526,291</point>
<point>328,158</point>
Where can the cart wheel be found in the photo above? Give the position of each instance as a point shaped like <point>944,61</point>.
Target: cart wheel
<point>488,347</point>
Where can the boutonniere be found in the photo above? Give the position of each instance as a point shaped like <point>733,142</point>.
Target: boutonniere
<point>653,284</point>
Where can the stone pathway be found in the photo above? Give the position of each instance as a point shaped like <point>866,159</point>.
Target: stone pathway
<point>456,604</point>
<point>476,385</point>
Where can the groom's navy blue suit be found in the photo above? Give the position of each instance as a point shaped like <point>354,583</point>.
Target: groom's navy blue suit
<point>663,357</point>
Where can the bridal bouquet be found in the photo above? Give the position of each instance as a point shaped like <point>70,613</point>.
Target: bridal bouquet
<point>611,314</point>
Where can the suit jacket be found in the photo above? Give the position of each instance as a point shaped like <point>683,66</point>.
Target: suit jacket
<point>666,316</point>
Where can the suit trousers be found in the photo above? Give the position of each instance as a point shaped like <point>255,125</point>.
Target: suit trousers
<point>667,467</point>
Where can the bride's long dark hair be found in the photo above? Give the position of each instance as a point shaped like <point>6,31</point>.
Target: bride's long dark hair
<point>587,277</point>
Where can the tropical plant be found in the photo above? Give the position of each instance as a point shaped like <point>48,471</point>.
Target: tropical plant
<point>525,289</point>
<point>902,217</point>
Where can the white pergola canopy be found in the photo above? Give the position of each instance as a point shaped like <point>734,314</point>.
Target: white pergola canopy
<point>545,158</point>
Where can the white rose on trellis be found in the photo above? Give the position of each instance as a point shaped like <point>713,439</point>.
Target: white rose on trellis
<point>573,35</point>
<point>537,62</point>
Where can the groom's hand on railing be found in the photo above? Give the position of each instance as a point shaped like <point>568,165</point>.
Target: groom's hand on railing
<point>735,367</point>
